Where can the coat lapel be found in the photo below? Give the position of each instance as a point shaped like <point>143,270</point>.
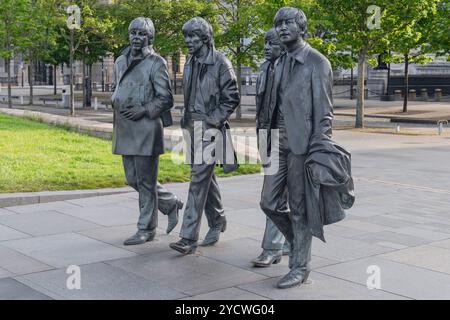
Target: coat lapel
<point>186,81</point>
<point>134,63</point>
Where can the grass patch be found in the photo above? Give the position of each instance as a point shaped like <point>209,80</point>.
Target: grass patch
<point>38,157</point>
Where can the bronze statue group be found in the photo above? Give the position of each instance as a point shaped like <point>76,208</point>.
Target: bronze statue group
<point>312,185</point>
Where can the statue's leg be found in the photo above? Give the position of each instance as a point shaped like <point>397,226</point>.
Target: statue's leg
<point>147,177</point>
<point>167,201</point>
<point>214,208</point>
<point>273,237</point>
<point>301,246</point>
<point>130,171</point>
<point>273,193</point>
<point>201,176</point>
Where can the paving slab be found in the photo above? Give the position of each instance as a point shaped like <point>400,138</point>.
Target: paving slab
<point>240,252</point>
<point>102,281</point>
<point>17,263</point>
<point>319,287</point>
<point>423,233</point>
<point>397,278</point>
<point>5,274</point>
<point>393,237</point>
<point>50,206</point>
<point>45,223</point>
<point>11,289</point>
<point>67,249</point>
<point>104,215</point>
<point>4,212</point>
<point>344,249</point>
<point>7,233</point>
<point>117,235</point>
<point>427,257</point>
<point>191,274</point>
<point>100,201</point>
<point>441,244</point>
<point>227,294</point>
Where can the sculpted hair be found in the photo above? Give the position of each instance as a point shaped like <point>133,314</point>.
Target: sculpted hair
<point>272,35</point>
<point>289,13</point>
<point>201,28</point>
<point>143,23</point>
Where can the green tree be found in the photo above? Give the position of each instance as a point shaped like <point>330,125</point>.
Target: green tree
<point>437,30</point>
<point>13,17</point>
<point>408,41</point>
<point>41,35</point>
<point>349,21</point>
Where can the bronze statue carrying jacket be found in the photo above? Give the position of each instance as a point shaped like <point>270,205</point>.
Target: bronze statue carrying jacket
<point>307,103</point>
<point>143,82</point>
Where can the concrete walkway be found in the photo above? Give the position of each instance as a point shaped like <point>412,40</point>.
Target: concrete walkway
<point>399,226</point>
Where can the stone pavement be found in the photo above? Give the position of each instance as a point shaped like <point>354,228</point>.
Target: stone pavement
<point>400,223</point>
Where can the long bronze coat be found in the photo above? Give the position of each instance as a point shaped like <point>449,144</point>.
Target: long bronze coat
<point>145,83</point>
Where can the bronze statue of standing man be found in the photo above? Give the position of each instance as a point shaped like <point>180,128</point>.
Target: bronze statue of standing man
<point>301,106</point>
<point>142,99</point>
<point>210,96</point>
<point>273,244</point>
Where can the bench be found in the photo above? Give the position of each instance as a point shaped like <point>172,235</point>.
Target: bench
<point>5,98</point>
<point>45,99</point>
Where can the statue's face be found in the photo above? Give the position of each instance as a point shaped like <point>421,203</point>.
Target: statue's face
<point>138,38</point>
<point>288,30</point>
<point>194,42</point>
<point>272,49</point>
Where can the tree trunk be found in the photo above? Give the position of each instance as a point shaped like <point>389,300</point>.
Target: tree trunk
<point>239,81</point>
<point>54,79</point>
<point>388,76</point>
<point>351,84</point>
<point>31,80</point>
<point>405,97</point>
<point>84,83</point>
<point>9,82</point>
<point>360,91</point>
<point>174,72</point>
<point>89,86</point>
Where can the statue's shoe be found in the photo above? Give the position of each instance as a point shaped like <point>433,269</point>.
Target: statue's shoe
<point>140,237</point>
<point>213,234</point>
<point>173,216</point>
<point>184,246</point>
<point>267,258</point>
<point>294,278</point>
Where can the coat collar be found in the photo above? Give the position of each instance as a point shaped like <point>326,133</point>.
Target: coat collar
<point>300,53</point>
<point>210,58</point>
<point>147,51</point>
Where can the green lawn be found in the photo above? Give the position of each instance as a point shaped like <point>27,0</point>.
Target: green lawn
<point>37,157</point>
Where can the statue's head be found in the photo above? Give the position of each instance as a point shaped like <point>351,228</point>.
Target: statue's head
<point>141,33</point>
<point>197,33</point>
<point>272,45</point>
<point>290,24</point>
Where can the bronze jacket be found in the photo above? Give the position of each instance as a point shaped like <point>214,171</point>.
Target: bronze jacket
<point>218,89</point>
<point>144,82</point>
<point>328,183</point>
<point>262,116</point>
<point>307,97</point>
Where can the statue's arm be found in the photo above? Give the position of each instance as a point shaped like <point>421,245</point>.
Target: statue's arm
<point>322,83</point>
<point>163,98</point>
<point>228,95</point>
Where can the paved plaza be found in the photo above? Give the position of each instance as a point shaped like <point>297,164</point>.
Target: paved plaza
<point>399,225</point>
